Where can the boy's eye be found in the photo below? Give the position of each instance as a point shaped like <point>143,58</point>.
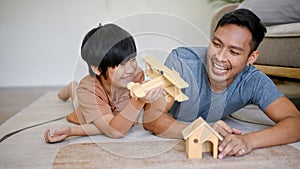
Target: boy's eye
<point>133,59</point>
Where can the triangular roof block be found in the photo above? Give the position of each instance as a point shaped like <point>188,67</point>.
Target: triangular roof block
<point>197,124</point>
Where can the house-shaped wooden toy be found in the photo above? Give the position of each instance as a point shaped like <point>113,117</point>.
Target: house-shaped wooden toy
<point>200,137</point>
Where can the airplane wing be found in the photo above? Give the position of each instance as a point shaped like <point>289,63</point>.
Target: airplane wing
<point>170,75</point>
<point>176,93</point>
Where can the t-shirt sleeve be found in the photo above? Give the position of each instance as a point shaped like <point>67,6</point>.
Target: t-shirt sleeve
<point>264,90</point>
<point>186,61</point>
<point>92,102</point>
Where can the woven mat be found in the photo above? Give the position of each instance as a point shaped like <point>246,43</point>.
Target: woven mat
<point>155,155</point>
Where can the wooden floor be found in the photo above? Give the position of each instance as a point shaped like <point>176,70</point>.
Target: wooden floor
<point>12,100</point>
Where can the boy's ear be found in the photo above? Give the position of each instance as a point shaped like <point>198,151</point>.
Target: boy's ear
<point>253,57</point>
<point>95,70</point>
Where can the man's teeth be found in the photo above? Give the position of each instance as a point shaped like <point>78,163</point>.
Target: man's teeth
<point>220,67</point>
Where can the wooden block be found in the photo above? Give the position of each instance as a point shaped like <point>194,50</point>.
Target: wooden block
<point>161,76</point>
<point>171,75</point>
<point>200,137</point>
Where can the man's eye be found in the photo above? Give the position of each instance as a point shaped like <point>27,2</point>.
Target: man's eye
<point>216,44</point>
<point>234,52</point>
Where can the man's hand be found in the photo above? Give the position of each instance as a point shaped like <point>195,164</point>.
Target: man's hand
<point>234,143</point>
<point>223,129</point>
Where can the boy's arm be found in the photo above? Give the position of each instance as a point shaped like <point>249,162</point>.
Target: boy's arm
<point>116,126</point>
<point>59,135</point>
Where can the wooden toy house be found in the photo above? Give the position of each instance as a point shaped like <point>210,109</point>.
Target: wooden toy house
<point>200,137</point>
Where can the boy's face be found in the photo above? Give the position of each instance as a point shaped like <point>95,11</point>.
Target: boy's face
<point>121,75</point>
<point>228,53</point>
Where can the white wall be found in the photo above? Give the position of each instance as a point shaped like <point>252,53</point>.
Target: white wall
<point>40,39</point>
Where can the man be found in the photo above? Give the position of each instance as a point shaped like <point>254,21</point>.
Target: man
<point>223,80</point>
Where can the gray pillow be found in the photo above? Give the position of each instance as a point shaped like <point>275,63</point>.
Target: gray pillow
<point>274,12</point>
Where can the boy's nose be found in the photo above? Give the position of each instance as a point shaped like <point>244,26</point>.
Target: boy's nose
<point>129,68</point>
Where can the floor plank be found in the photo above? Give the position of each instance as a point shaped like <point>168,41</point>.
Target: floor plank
<point>12,100</point>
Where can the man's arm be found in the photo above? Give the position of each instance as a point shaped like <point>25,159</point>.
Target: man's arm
<point>287,130</point>
<point>160,123</point>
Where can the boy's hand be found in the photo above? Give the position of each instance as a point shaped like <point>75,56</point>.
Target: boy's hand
<point>152,95</point>
<point>56,135</point>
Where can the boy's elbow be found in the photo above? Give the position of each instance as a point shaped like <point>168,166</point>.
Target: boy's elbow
<point>152,128</point>
<point>115,135</point>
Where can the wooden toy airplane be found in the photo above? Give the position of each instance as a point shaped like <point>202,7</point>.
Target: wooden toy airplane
<point>161,76</point>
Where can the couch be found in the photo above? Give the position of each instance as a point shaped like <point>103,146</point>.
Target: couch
<point>280,49</point>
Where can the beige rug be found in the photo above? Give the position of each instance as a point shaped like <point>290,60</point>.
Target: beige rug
<point>124,155</point>
<point>28,150</point>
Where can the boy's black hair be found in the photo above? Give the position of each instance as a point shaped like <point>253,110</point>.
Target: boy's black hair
<point>245,18</point>
<point>107,46</point>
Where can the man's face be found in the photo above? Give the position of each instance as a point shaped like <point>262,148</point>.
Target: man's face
<point>228,54</point>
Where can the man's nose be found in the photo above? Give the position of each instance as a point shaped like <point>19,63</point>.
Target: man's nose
<point>221,56</point>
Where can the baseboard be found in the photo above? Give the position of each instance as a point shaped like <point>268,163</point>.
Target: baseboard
<point>280,71</point>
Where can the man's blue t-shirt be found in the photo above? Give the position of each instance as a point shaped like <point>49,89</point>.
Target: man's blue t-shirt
<point>249,87</point>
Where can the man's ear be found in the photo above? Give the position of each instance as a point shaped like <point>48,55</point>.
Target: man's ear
<point>253,57</point>
<point>95,70</point>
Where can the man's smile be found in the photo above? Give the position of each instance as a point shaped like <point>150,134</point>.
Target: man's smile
<point>219,69</point>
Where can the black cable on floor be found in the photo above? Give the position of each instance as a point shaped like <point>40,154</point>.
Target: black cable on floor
<point>25,128</point>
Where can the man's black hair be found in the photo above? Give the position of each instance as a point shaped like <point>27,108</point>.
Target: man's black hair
<point>245,18</point>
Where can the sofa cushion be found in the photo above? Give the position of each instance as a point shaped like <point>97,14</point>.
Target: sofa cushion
<point>280,52</point>
<point>284,30</point>
<point>274,12</point>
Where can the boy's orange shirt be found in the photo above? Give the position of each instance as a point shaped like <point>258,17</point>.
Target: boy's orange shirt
<point>93,101</point>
